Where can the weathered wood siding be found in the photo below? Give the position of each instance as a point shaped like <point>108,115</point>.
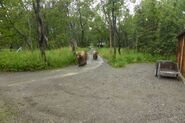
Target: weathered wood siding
<point>181,54</point>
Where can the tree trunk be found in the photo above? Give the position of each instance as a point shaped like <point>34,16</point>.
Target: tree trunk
<point>110,35</point>
<point>119,46</point>
<point>29,37</point>
<point>42,39</point>
<point>136,41</point>
<point>81,25</point>
<point>119,41</point>
<point>113,28</point>
<point>109,21</point>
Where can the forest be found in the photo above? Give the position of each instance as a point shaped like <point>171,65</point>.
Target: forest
<point>92,61</point>
<point>152,27</point>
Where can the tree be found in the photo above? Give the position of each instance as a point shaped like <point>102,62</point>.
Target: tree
<point>112,10</point>
<point>107,17</point>
<point>16,18</point>
<point>152,28</point>
<point>157,25</point>
<point>42,39</point>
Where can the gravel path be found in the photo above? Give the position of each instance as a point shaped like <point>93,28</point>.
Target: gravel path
<point>96,93</point>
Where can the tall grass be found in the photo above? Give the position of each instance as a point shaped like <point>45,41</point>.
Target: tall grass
<point>31,61</point>
<point>131,56</point>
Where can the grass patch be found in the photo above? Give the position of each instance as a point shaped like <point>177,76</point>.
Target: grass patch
<point>31,61</point>
<point>131,56</point>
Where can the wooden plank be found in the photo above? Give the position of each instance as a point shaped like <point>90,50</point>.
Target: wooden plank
<point>183,57</point>
<point>178,53</point>
<point>182,54</point>
<point>182,78</point>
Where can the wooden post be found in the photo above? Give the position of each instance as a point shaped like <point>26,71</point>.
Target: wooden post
<point>179,53</point>
<point>110,35</point>
<point>182,54</point>
<point>183,59</point>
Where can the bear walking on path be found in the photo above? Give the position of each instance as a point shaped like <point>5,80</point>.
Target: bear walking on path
<point>82,58</point>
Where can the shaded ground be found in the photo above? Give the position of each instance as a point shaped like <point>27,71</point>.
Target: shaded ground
<point>96,93</point>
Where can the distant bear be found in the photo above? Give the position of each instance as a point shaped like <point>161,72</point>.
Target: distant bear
<point>95,55</point>
<point>82,58</point>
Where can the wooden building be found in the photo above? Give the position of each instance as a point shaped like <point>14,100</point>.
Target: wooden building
<point>181,52</point>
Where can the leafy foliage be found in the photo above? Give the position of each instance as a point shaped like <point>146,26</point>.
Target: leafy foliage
<point>152,28</point>
<point>157,24</point>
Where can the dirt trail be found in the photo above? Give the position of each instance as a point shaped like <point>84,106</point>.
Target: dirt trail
<point>16,79</point>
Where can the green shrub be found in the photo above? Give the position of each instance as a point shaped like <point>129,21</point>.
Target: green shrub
<point>31,61</point>
<point>131,56</point>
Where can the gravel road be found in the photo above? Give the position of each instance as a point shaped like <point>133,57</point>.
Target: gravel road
<point>96,93</point>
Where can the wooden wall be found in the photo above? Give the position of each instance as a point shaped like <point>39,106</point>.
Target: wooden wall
<point>181,54</point>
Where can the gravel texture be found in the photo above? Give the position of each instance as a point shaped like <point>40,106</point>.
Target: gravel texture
<point>96,93</point>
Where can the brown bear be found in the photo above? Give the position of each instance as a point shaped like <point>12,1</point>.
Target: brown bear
<point>95,55</point>
<point>82,58</point>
